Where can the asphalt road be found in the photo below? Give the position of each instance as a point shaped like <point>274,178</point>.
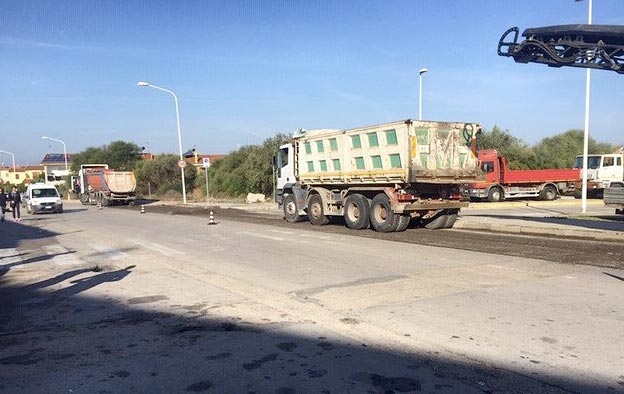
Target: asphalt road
<point>550,248</point>
<point>115,301</point>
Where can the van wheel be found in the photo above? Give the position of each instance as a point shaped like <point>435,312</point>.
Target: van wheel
<point>356,212</point>
<point>316,212</point>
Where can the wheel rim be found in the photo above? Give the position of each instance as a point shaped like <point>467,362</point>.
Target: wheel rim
<point>316,210</point>
<point>290,208</point>
<point>353,212</point>
<point>380,213</point>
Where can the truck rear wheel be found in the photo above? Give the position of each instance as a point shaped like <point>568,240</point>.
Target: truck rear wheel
<point>494,195</point>
<point>549,193</point>
<point>291,213</point>
<point>356,212</point>
<point>451,218</point>
<point>404,221</point>
<point>382,218</point>
<point>316,212</point>
<point>436,222</point>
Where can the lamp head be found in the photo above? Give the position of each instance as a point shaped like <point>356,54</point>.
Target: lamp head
<point>422,71</point>
<point>45,138</point>
<point>142,83</point>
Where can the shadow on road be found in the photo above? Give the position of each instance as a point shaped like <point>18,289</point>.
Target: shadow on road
<point>67,341</point>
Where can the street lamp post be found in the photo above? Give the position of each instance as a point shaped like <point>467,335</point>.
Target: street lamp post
<point>175,98</point>
<point>64,149</point>
<point>586,131</point>
<point>13,157</point>
<point>420,74</point>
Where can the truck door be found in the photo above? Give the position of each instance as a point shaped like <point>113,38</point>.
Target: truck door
<point>611,169</point>
<point>284,166</point>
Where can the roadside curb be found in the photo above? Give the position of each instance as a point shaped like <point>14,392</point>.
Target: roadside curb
<point>584,233</point>
<point>536,204</point>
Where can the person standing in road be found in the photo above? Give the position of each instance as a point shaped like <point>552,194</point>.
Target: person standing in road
<point>3,201</point>
<point>15,199</point>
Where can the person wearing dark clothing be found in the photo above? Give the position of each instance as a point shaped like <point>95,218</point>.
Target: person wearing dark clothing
<point>3,202</point>
<point>15,199</point>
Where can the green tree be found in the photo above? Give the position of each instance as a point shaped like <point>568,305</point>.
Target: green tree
<point>162,175</point>
<point>519,154</point>
<point>247,170</point>
<point>119,155</point>
<point>560,151</point>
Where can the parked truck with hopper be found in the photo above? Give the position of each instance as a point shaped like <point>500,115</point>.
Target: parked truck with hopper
<point>381,176</point>
<point>501,183</point>
<point>103,186</point>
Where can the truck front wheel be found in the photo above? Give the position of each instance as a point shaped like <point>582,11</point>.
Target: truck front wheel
<point>316,212</point>
<point>494,195</point>
<point>382,218</point>
<point>356,212</point>
<point>291,213</point>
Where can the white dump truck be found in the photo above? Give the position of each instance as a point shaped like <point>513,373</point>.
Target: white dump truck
<point>381,176</point>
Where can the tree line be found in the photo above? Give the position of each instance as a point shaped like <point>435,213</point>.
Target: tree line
<point>249,169</point>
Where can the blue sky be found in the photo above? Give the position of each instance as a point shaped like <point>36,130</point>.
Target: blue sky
<point>244,71</point>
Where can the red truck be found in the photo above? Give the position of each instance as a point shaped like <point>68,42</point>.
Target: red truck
<point>502,183</point>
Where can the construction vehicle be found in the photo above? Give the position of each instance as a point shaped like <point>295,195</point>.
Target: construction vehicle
<point>585,46</point>
<point>602,171</point>
<point>102,186</point>
<point>383,176</point>
<point>501,183</point>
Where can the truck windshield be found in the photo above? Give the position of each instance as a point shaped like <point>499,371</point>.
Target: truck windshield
<point>593,162</point>
<point>44,193</point>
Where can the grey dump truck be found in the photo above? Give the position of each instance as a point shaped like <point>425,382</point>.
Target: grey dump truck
<point>383,176</point>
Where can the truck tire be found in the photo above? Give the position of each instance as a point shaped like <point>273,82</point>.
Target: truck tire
<point>494,194</point>
<point>291,213</point>
<point>316,212</point>
<point>548,193</point>
<point>357,212</point>
<point>404,221</point>
<point>382,218</point>
<point>436,222</point>
<point>451,218</point>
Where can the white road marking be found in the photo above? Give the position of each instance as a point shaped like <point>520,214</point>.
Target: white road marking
<point>158,248</point>
<point>262,236</point>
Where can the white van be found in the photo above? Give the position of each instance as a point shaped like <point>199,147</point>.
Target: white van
<point>42,197</point>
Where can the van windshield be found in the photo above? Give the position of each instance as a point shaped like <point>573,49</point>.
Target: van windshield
<point>44,193</point>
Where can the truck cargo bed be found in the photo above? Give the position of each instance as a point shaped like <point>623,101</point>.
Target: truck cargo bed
<point>540,176</point>
<point>399,152</point>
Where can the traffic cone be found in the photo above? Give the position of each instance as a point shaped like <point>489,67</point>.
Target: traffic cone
<point>142,208</point>
<point>99,205</point>
<point>211,218</point>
